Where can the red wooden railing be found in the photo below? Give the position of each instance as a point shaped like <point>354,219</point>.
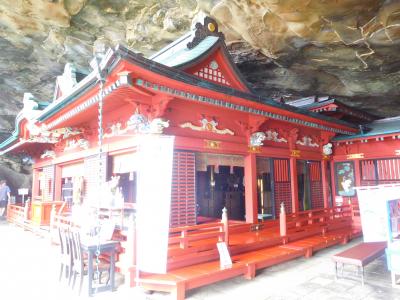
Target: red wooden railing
<point>320,217</point>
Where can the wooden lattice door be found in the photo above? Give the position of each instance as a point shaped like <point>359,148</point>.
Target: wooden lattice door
<point>183,202</point>
<point>281,183</point>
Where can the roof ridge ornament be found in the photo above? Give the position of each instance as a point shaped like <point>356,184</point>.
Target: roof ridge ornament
<point>201,31</point>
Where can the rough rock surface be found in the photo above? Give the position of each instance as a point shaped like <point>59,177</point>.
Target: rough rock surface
<point>285,48</point>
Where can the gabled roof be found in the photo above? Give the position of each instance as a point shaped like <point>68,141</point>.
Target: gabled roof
<point>32,108</point>
<point>379,127</point>
<point>196,46</point>
<point>177,54</point>
<point>330,106</point>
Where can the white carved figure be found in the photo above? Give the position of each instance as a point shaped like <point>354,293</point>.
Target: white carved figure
<point>66,81</point>
<point>272,135</point>
<point>81,143</point>
<point>306,141</point>
<point>115,130</point>
<point>327,149</point>
<point>157,125</point>
<point>257,139</point>
<point>207,126</point>
<point>138,123</point>
<point>49,154</point>
<point>29,103</point>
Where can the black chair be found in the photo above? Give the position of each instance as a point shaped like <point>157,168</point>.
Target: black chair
<point>80,263</point>
<point>66,254</point>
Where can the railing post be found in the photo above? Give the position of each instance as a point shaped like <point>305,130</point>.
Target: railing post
<point>224,221</point>
<point>52,217</point>
<point>310,218</point>
<point>26,213</point>
<point>282,221</point>
<point>183,244</point>
<point>129,263</point>
<point>26,209</point>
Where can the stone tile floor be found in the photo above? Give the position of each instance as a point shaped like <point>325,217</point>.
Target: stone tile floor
<point>29,270</point>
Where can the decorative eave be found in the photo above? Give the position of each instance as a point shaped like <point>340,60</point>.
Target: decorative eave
<point>79,89</point>
<point>15,134</point>
<point>380,129</point>
<point>131,57</point>
<point>31,109</point>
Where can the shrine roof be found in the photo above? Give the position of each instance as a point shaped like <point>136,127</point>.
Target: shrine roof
<point>376,128</point>
<point>182,76</point>
<point>124,53</point>
<point>177,53</point>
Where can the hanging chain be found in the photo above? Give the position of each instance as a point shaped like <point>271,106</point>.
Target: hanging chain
<point>100,170</point>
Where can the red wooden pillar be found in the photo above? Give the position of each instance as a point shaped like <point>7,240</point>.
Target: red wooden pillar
<point>357,173</point>
<point>294,185</point>
<point>325,183</point>
<point>57,183</point>
<point>250,178</point>
<point>35,183</point>
<point>333,183</point>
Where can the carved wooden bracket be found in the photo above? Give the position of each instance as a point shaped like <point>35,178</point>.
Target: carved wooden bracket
<point>291,137</point>
<point>252,125</point>
<point>159,106</point>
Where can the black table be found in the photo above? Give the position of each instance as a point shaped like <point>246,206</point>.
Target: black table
<point>105,247</point>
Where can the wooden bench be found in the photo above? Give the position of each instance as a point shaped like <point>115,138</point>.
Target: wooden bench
<point>360,256</point>
<point>178,281</point>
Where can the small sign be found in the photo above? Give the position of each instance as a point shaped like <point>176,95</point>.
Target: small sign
<point>224,256</point>
<point>23,192</point>
<point>295,153</point>
<point>355,156</point>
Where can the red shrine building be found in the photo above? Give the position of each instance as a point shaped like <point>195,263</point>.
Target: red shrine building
<point>231,147</point>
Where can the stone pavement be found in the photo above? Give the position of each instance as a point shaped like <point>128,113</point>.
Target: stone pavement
<point>29,270</point>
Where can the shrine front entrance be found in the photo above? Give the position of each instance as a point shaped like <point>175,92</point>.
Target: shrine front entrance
<point>219,184</point>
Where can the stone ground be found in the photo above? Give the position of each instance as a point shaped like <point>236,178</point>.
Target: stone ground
<point>29,270</point>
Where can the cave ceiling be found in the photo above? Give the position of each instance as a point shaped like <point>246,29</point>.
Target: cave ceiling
<point>286,49</point>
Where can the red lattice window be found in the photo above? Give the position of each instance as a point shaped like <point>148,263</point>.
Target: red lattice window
<point>183,202</point>
<point>213,73</point>
<point>282,189</point>
<point>317,199</point>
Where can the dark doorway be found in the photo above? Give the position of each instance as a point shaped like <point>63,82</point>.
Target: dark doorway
<point>309,182</point>
<point>265,195</point>
<point>218,187</point>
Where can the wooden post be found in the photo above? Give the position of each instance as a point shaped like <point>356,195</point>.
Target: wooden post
<point>35,183</point>
<point>250,178</point>
<point>183,244</point>
<point>224,221</point>
<point>26,213</point>
<point>282,221</point>
<point>52,218</point>
<point>325,183</point>
<point>57,183</point>
<point>128,264</point>
<point>294,185</point>
<point>26,209</point>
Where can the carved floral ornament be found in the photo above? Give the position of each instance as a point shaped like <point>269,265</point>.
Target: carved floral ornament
<point>42,135</point>
<point>206,125</point>
<point>78,143</point>
<point>307,141</point>
<point>257,138</point>
<point>137,123</point>
<point>48,154</point>
<point>327,149</point>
